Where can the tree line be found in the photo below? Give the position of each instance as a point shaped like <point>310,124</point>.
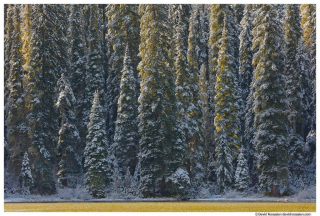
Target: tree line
<point>163,99</point>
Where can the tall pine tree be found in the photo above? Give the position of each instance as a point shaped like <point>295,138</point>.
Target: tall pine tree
<point>68,140</point>
<point>246,74</point>
<point>77,58</point>
<point>126,137</point>
<point>161,148</point>
<point>226,108</point>
<point>95,152</point>
<point>123,29</point>
<point>94,70</point>
<point>194,135</point>
<point>47,61</point>
<point>294,87</point>
<point>17,128</point>
<point>270,102</point>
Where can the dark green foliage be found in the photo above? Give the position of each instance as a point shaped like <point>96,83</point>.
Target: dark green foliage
<point>126,138</point>
<point>47,61</point>
<point>246,75</point>
<point>270,102</point>
<point>68,140</point>
<point>94,70</point>
<point>25,178</point>
<point>161,148</point>
<point>294,85</point>
<point>195,151</point>
<point>123,29</point>
<point>77,74</point>
<point>226,107</point>
<point>95,152</point>
<point>17,130</point>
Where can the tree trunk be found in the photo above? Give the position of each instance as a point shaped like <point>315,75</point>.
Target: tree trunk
<point>275,190</point>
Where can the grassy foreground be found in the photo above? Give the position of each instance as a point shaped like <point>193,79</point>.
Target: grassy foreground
<point>160,207</point>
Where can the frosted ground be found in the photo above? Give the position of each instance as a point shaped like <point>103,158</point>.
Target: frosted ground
<point>80,194</point>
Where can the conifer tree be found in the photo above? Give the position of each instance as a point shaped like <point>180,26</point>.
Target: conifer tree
<point>161,148</point>
<point>246,54</point>
<point>218,12</point>
<point>194,135</point>
<point>123,29</point>
<point>216,27</point>
<point>8,29</point>
<point>226,108</point>
<point>126,138</point>
<point>204,35</point>
<point>94,70</point>
<point>17,128</point>
<point>26,34</point>
<point>77,57</point>
<point>181,14</point>
<point>117,182</point>
<point>203,84</point>
<point>26,176</point>
<point>47,61</point>
<point>294,87</point>
<point>242,173</point>
<point>95,152</point>
<point>270,103</point>
<point>246,75</point>
<point>69,139</point>
<point>204,59</point>
<point>308,25</point>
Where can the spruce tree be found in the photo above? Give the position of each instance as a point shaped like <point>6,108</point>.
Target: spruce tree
<point>123,29</point>
<point>181,14</point>
<point>68,140</point>
<point>26,34</point>
<point>25,177</point>
<point>216,27</point>
<point>194,134</point>
<point>270,102</point>
<point>226,108</point>
<point>77,58</point>
<point>126,138</point>
<point>308,25</point>
<point>218,12</point>
<point>246,54</point>
<point>17,128</point>
<point>161,148</point>
<point>246,74</point>
<point>242,173</point>
<point>294,87</point>
<point>47,62</point>
<point>94,69</point>
<point>203,84</point>
<point>8,28</point>
<point>95,152</point>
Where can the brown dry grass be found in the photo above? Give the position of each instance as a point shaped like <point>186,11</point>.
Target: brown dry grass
<point>160,207</point>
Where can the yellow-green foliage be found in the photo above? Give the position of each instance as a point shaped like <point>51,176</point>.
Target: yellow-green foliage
<point>26,34</point>
<point>160,207</point>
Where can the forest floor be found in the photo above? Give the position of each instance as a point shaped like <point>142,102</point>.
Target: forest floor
<point>161,207</point>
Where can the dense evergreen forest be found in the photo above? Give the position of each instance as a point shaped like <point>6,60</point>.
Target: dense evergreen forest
<point>160,100</point>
